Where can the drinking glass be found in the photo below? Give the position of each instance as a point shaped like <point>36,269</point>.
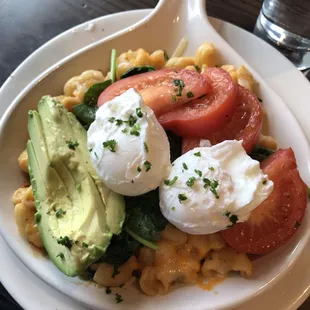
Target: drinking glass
<point>286,25</point>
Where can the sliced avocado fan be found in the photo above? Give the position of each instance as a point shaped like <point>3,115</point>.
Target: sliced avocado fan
<point>76,213</point>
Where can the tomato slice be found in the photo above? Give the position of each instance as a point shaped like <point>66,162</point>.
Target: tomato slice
<point>275,220</point>
<point>202,116</point>
<point>246,124</point>
<point>159,89</point>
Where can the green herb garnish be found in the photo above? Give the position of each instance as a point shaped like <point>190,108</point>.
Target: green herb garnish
<point>65,241</point>
<point>185,166</point>
<point>213,187</point>
<point>72,144</point>
<point>146,147</point>
<point>90,150</point>
<point>232,218</point>
<point>132,120</point>
<point>171,182</point>
<point>259,99</point>
<point>147,165</point>
<point>207,182</point>
<point>135,130</point>
<point>60,213</point>
<point>137,70</point>
<point>78,187</point>
<point>61,255</point>
<point>189,94</point>
<point>125,130</point>
<point>37,217</point>
<point>173,208</point>
<point>108,291</point>
<point>111,119</point>
<point>211,168</point>
<point>139,169</point>
<point>96,155</point>
<point>198,154</point>
<point>182,197</point>
<point>118,298</point>
<point>191,181</point>
<point>85,245</point>
<point>199,172</point>
<point>139,112</point>
<point>179,85</point>
<point>110,144</point>
<point>119,122</point>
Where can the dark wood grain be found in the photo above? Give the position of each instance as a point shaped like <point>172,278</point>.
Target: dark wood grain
<point>26,25</point>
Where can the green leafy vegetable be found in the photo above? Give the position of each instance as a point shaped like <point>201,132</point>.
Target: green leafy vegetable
<point>145,242</point>
<point>113,65</point>
<point>121,248</point>
<point>260,153</point>
<point>93,93</point>
<point>137,70</point>
<point>144,217</point>
<point>84,113</point>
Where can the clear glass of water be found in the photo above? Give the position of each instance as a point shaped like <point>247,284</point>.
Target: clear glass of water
<point>286,25</point>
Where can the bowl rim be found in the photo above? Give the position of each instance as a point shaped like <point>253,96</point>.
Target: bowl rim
<point>6,116</point>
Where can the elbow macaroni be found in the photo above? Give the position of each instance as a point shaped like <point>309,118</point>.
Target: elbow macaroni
<point>23,161</point>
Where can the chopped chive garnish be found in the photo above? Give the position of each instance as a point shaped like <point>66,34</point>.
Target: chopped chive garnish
<point>146,147</point>
<point>90,150</point>
<point>189,94</point>
<point>110,145</point>
<point>96,155</point>
<point>259,99</point>
<point>65,241</point>
<point>232,218</point>
<point>37,217</point>
<point>147,165</point>
<point>199,172</point>
<point>213,187</point>
<point>139,169</point>
<point>60,213</point>
<point>119,122</point>
<point>111,119</point>
<point>207,182</point>
<point>72,144</point>
<point>78,187</point>
<point>85,245</point>
<point>132,120</point>
<point>171,182</point>
<point>211,168</point>
<point>198,154</point>
<point>179,85</point>
<point>185,166</point>
<point>182,197</point>
<point>108,291</point>
<point>173,208</point>
<point>191,181</point>
<point>118,298</point>
<point>139,112</point>
<point>61,255</point>
<point>125,130</point>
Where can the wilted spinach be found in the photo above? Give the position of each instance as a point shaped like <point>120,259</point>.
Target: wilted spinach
<point>137,70</point>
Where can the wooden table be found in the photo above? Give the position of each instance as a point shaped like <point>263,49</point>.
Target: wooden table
<point>26,25</point>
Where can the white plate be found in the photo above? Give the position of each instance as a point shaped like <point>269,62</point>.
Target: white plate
<point>237,38</point>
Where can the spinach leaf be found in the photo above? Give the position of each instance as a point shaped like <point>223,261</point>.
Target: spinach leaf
<point>144,217</point>
<point>93,93</point>
<point>259,153</point>
<point>137,70</point>
<point>84,113</point>
<point>121,248</point>
<point>175,145</point>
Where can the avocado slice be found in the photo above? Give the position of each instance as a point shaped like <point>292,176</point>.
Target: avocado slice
<point>77,214</point>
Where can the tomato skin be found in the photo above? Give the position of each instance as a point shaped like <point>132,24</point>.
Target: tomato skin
<point>157,88</point>
<point>246,124</point>
<point>275,220</point>
<point>202,116</point>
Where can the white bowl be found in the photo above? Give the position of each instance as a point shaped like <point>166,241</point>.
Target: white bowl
<point>233,291</point>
